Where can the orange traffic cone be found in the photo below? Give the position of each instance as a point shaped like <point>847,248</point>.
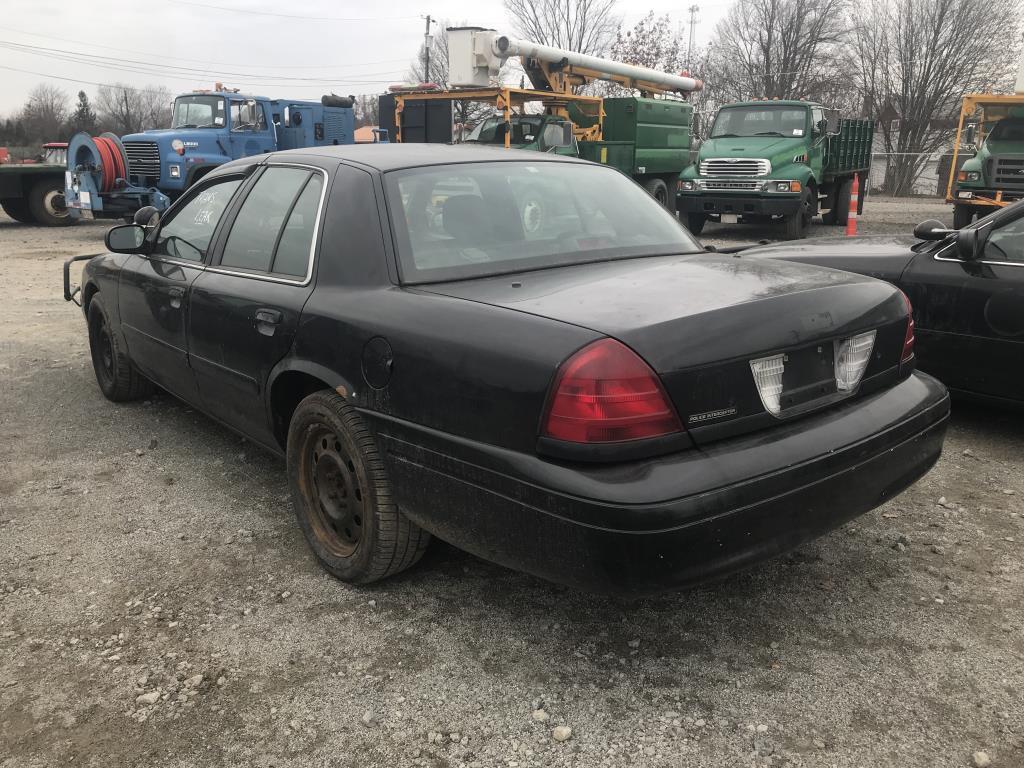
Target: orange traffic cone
<point>851,220</point>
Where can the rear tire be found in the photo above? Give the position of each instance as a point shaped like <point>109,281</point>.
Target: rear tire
<point>658,189</point>
<point>118,379</point>
<point>46,201</point>
<point>695,222</point>
<point>342,495</point>
<point>17,209</point>
<point>842,209</point>
<point>962,216</point>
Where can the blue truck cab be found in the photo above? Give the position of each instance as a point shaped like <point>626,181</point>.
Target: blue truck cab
<point>208,128</point>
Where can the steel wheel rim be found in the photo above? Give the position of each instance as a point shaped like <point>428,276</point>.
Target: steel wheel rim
<point>336,496</point>
<point>104,349</point>
<point>54,204</point>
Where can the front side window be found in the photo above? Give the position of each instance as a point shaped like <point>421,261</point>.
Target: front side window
<point>187,234</point>
<point>198,112</point>
<point>1006,243</point>
<point>479,219</point>
<point>247,116</point>
<point>493,130</point>
<point>273,232</point>
<point>768,120</point>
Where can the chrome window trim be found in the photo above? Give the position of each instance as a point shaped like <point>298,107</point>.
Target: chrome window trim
<point>270,277</point>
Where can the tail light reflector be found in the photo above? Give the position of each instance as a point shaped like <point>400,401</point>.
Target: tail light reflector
<point>852,356</point>
<point>768,378</point>
<point>606,393</point>
<point>908,339</point>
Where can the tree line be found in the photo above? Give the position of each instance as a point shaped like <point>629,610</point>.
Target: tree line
<point>49,114</point>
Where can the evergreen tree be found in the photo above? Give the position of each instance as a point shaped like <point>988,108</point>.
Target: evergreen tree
<point>83,118</point>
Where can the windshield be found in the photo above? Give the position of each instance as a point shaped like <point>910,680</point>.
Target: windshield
<point>1008,129</point>
<point>198,112</point>
<point>492,130</point>
<point>481,219</point>
<point>769,120</point>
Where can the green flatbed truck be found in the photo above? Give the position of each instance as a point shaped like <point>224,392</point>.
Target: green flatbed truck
<point>33,193</point>
<point>776,162</point>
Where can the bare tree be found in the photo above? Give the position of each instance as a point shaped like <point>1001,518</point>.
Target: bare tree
<point>125,110</point>
<point>778,49</point>
<point>45,114</point>
<point>916,59</point>
<point>585,26</point>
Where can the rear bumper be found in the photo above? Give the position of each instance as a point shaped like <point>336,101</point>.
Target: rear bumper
<point>714,204</point>
<point>653,525</point>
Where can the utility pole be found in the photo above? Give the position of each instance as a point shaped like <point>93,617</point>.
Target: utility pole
<point>693,24</point>
<point>426,51</point>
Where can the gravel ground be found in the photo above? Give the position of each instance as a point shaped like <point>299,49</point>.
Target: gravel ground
<point>158,606</point>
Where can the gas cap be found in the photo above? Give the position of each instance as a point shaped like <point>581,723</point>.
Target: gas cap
<point>377,362</point>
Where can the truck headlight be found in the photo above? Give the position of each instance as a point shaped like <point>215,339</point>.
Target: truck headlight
<point>783,186</point>
<point>687,185</point>
<point>969,176</point>
<point>175,171</point>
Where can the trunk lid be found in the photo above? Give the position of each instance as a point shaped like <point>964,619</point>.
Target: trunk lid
<point>699,320</point>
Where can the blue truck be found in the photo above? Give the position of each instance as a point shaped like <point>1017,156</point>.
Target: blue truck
<point>111,177</point>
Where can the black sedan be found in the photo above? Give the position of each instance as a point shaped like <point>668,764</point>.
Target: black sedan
<point>967,288</point>
<point>595,400</point>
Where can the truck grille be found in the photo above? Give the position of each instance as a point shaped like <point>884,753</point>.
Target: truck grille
<point>143,158</point>
<point>729,184</point>
<point>1009,173</point>
<point>734,166</point>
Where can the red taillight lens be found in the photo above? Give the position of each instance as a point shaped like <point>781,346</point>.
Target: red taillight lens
<point>908,339</point>
<point>606,393</point>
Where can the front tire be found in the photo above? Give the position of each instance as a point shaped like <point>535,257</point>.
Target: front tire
<point>658,189</point>
<point>46,201</point>
<point>118,379</point>
<point>794,226</point>
<point>695,222</point>
<point>342,495</point>
<point>962,216</point>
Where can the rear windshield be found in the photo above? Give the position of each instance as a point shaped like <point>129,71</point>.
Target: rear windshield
<point>480,219</point>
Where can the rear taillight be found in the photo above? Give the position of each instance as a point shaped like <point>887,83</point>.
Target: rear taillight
<point>908,338</point>
<point>606,393</point>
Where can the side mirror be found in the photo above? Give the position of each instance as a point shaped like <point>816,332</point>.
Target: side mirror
<point>932,229</point>
<point>823,125</point>
<point>127,238</point>
<point>147,217</point>
<point>969,134</point>
<point>968,244</point>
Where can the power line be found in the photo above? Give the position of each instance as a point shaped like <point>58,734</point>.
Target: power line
<point>203,62</point>
<point>291,16</point>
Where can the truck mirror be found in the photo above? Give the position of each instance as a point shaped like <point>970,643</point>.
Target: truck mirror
<point>127,238</point>
<point>932,229</point>
<point>969,134</point>
<point>968,244</point>
<point>567,135</point>
<point>823,125</point>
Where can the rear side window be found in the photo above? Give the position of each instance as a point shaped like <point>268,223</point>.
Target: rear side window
<point>273,231</point>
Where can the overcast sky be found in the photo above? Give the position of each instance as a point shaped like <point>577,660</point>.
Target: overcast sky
<point>301,49</point>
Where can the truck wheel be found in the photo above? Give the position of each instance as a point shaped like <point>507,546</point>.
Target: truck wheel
<point>862,195</point>
<point>962,216</point>
<point>342,495</point>
<point>658,189</point>
<point>118,379</point>
<point>695,222</point>
<point>842,210</point>
<point>794,227</point>
<point>46,201</point>
<point>17,209</point>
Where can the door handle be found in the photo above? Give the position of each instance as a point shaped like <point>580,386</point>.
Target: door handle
<point>176,295</point>
<point>267,321</point>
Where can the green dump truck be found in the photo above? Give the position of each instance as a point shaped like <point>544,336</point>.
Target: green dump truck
<point>776,162</point>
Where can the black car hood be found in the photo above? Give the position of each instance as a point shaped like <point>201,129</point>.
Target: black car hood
<point>684,311</point>
<point>881,256</point>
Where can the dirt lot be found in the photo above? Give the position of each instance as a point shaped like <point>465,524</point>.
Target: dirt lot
<point>158,606</point>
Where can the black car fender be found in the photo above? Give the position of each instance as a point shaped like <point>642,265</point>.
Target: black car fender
<point>293,379</point>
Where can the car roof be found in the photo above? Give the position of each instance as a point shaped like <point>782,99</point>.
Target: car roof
<point>390,157</point>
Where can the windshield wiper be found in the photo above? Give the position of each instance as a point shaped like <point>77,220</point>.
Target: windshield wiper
<point>769,133</point>
<point>725,136</point>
